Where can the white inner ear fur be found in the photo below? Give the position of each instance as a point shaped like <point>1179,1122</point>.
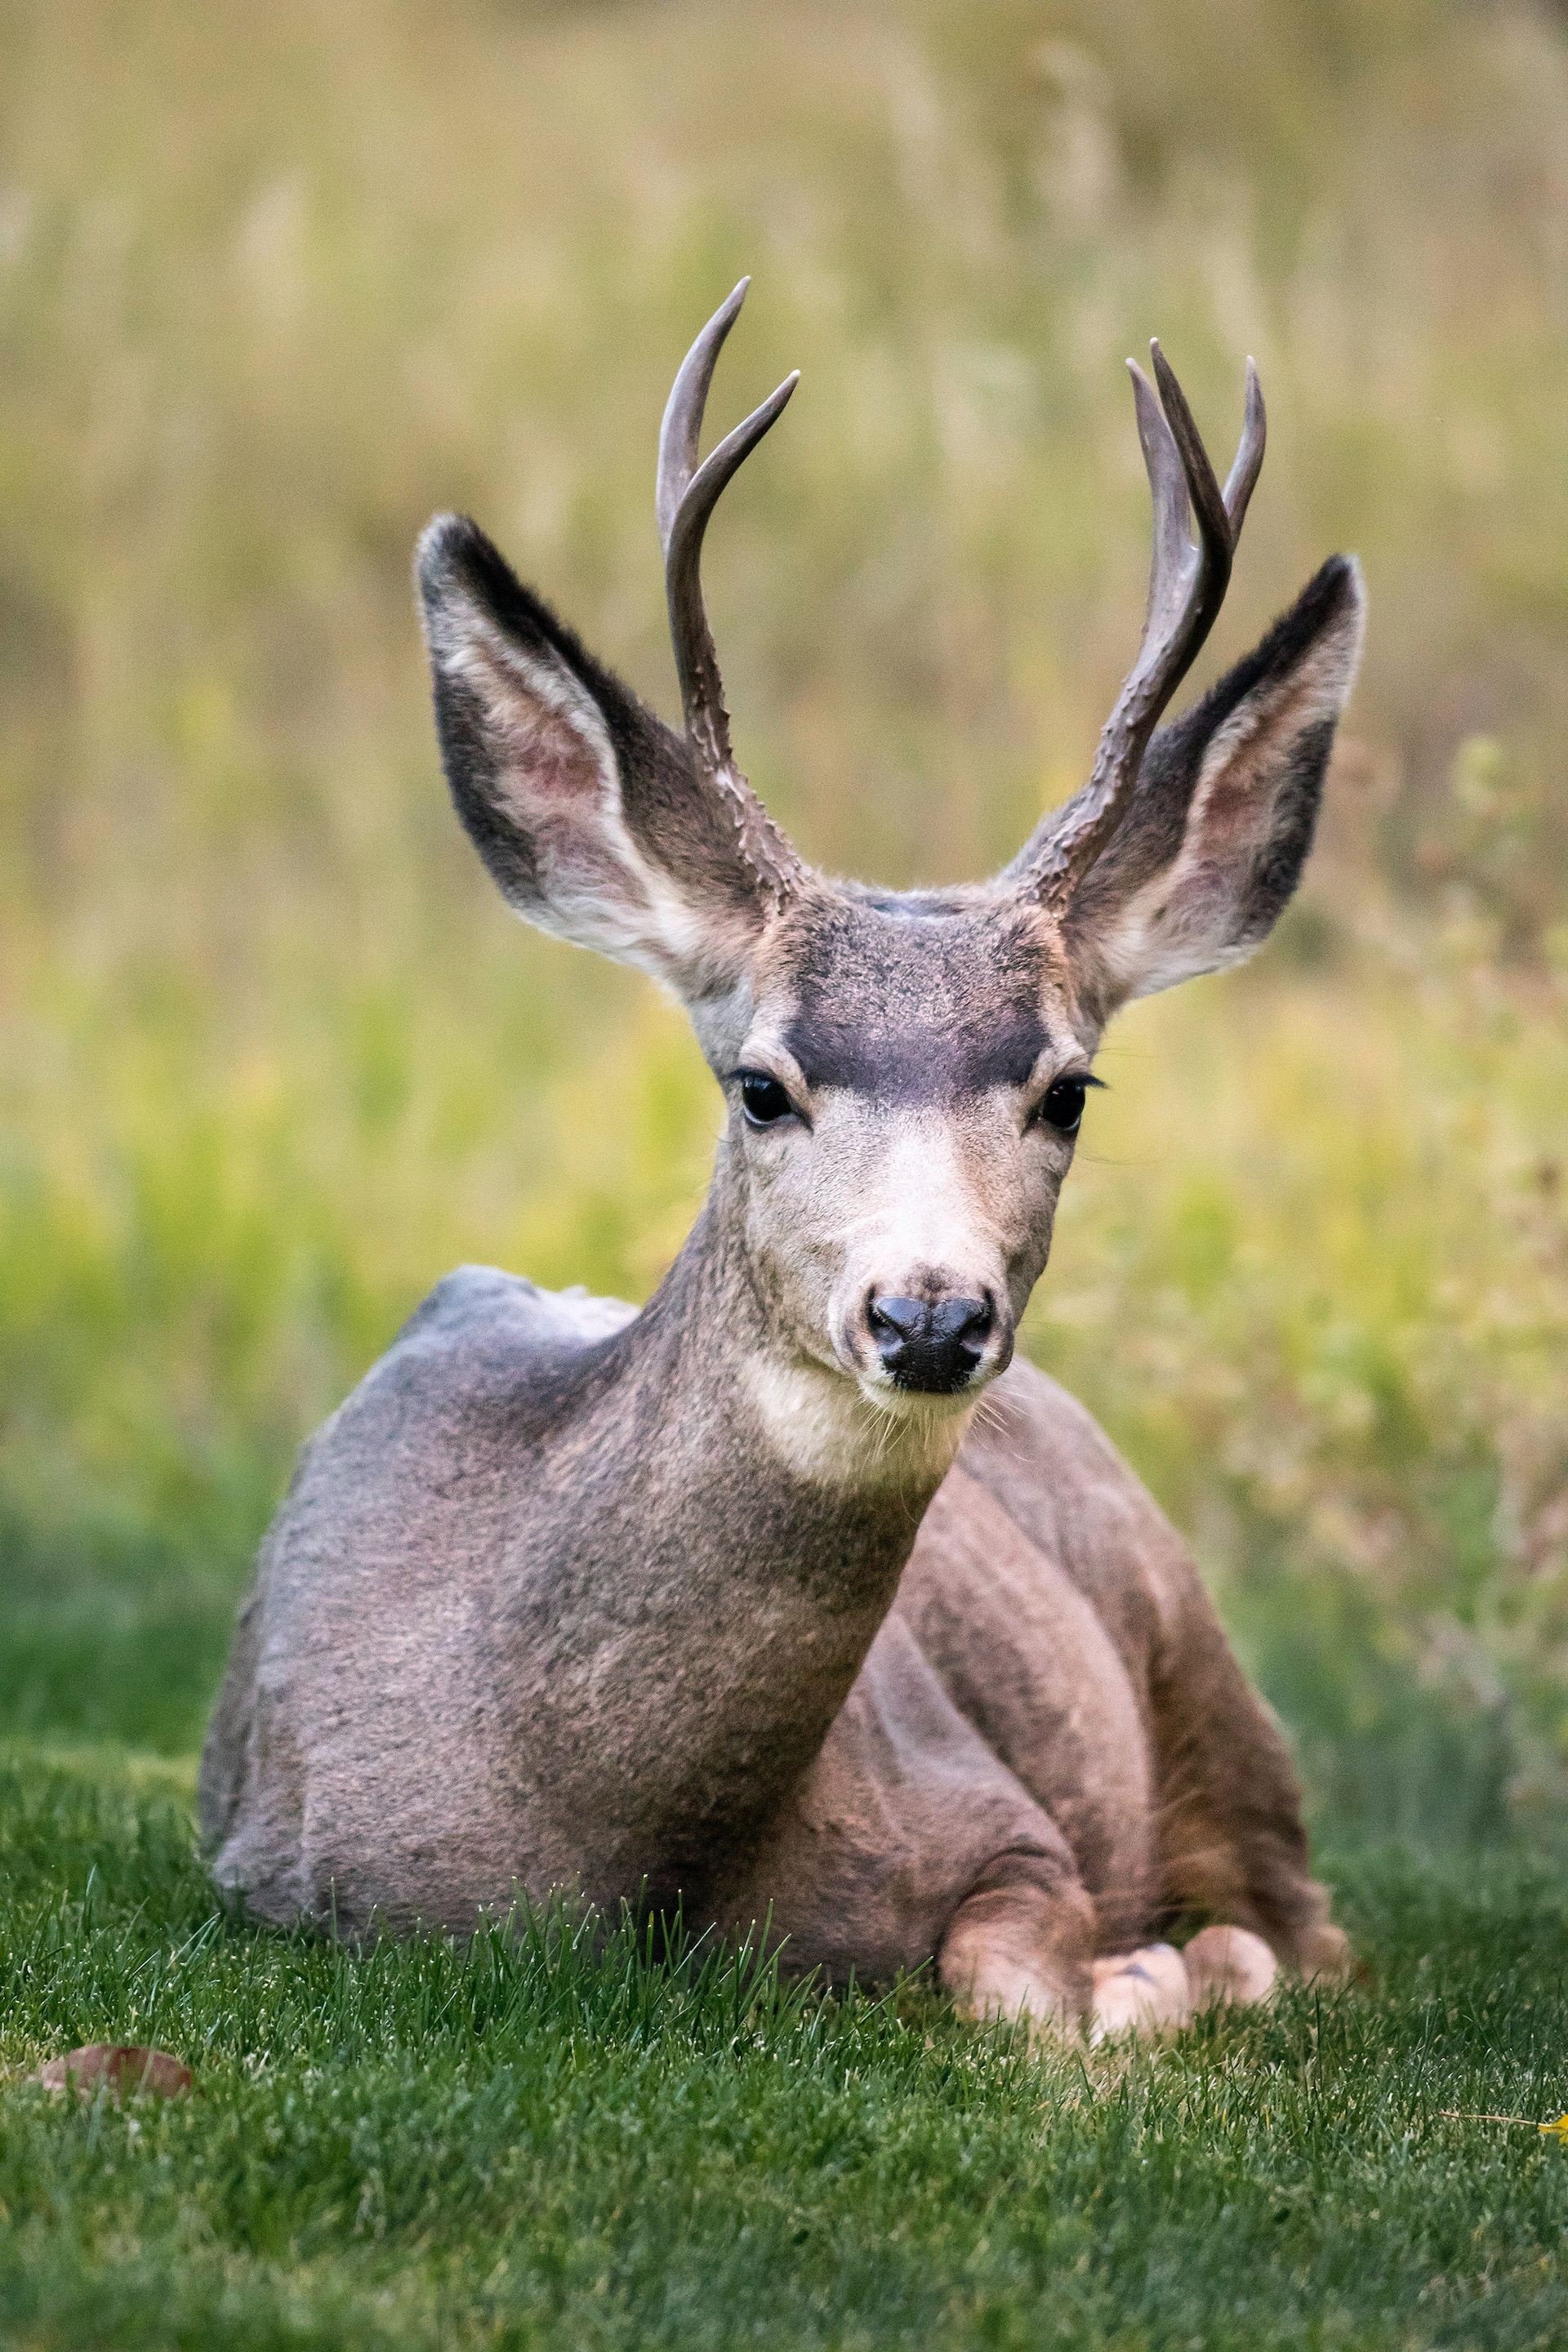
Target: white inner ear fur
<point>557,772</point>
<point>1193,918</point>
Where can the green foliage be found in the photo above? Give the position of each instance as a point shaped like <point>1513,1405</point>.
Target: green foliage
<point>276,282</point>
<point>549,2142</point>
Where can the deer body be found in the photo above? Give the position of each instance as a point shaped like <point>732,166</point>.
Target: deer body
<point>735,1601</point>
<point>651,1719</point>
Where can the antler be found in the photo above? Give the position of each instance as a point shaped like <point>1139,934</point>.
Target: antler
<point>688,493</point>
<point>1186,589</point>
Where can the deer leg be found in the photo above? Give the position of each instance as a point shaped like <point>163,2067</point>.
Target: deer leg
<point>1226,1965</point>
<point>1216,1795</point>
<point>1018,1949</point>
<point>1022,1951</point>
<point>1158,1988</point>
<point>1232,1838</point>
<point>1146,1991</point>
<point>908,1841</point>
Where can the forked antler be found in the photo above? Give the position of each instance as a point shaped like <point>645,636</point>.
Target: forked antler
<point>687,493</point>
<point>1186,589</point>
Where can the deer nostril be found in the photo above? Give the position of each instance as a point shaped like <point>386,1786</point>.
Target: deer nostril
<point>894,1319</point>
<point>931,1345</point>
<point>965,1321</point>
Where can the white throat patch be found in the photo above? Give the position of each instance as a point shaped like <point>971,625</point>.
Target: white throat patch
<point>826,1432</point>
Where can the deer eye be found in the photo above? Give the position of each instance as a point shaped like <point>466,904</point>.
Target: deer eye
<point>1061,1106</point>
<point>763,1100</point>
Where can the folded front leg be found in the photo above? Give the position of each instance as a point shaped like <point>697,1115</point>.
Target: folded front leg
<point>1018,1949</point>
<point>908,1841</point>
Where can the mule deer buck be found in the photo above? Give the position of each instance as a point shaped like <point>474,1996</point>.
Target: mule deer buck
<point>739,1600</point>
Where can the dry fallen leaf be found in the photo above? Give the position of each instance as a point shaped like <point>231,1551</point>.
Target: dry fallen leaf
<point>127,2067</point>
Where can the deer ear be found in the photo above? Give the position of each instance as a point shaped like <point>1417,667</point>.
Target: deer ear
<point>1225,809</point>
<point>583,806</point>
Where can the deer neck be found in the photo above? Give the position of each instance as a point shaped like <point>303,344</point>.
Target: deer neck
<point>740,1518</point>
<point>753,1399</point>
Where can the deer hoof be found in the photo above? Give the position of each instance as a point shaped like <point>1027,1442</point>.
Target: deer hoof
<point>1140,1992</point>
<point>1228,1964</point>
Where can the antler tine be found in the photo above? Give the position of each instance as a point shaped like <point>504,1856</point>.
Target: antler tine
<point>1173,519</point>
<point>1186,589</point>
<point>681,428</point>
<point>687,496</point>
<point>1242,479</point>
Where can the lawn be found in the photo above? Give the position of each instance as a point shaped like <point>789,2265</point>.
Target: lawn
<point>534,2145</point>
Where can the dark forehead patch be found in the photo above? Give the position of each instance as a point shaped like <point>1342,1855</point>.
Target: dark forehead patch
<point>898,1001</point>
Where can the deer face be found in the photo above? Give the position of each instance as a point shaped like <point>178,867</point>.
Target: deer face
<point>904,1074</point>
<point>902,1111</point>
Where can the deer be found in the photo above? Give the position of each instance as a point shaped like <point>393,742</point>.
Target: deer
<point>795,1598</point>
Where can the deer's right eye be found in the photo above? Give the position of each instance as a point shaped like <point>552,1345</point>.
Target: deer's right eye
<point>764,1100</point>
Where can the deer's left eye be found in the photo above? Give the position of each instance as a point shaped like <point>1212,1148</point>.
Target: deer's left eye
<point>1061,1106</point>
<point>764,1100</point>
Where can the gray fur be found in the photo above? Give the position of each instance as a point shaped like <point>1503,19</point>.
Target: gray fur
<point>693,1603</point>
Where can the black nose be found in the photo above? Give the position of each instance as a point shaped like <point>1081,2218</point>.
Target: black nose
<point>933,1345</point>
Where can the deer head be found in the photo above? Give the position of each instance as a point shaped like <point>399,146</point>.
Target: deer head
<point>905,1072</point>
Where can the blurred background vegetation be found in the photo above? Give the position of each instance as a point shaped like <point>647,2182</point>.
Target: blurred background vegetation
<point>277,282</point>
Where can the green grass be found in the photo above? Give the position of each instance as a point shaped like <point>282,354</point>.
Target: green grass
<point>542,2146</point>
